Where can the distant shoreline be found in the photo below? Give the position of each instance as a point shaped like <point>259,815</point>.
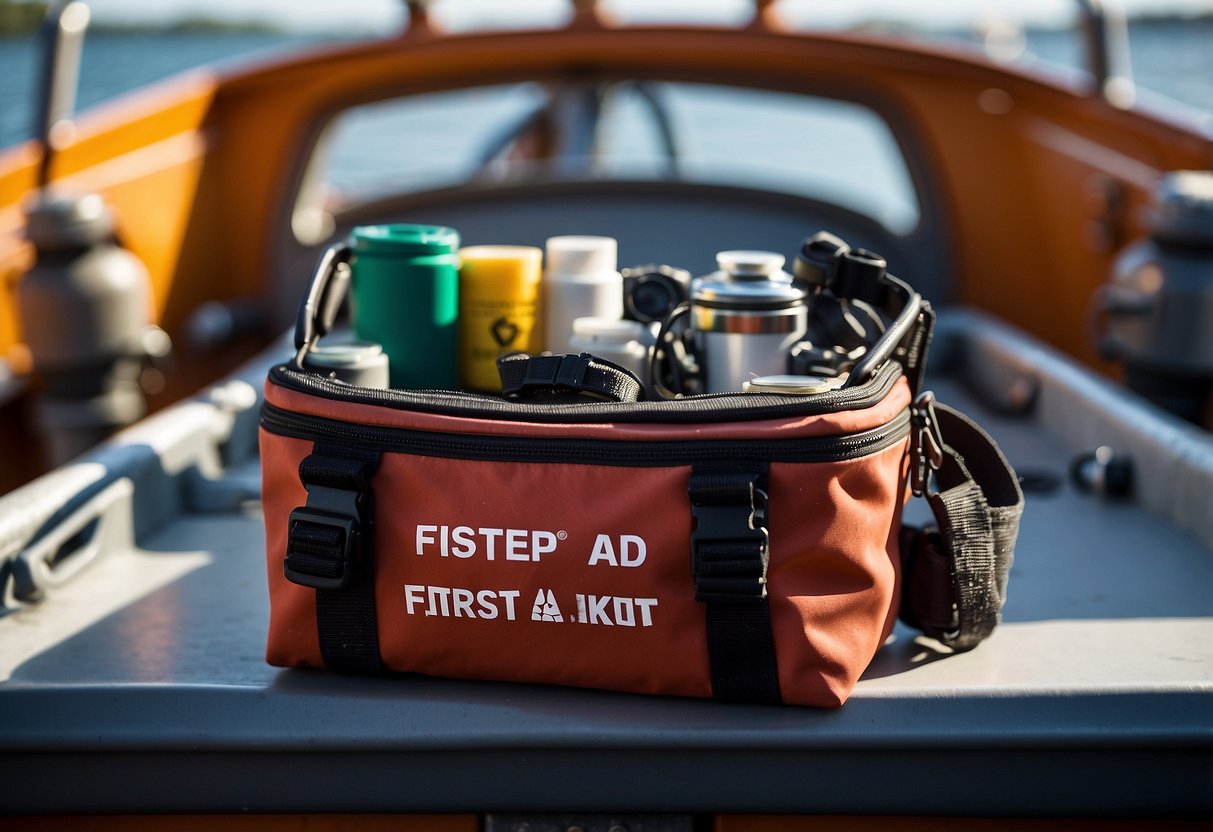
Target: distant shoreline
<point>24,19</point>
<point>189,26</point>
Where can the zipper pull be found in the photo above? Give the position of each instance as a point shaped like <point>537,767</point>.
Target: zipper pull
<point>926,442</point>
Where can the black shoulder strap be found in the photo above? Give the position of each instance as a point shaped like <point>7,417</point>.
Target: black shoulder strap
<point>954,578</point>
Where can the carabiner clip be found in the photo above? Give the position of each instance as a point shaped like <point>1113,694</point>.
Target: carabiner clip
<point>326,291</point>
<point>926,442</point>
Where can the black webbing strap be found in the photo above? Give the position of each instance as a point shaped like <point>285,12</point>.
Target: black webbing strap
<point>553,377</point>
<point>330,549</point>
<point>729,556</point>
<point>954,579</point>
<point>914,360</point>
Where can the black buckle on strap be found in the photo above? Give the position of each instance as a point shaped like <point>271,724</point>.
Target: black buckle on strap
<point>321,549</point>
<point>325,537</point>
<point>730,542</point>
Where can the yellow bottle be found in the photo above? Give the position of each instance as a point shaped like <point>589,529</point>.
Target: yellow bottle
<point>498,310</point>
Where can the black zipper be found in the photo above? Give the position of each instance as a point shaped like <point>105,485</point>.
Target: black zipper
<point>615,452</point>
<point>713,407</point>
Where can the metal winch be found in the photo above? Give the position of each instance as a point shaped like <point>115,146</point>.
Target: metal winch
<point>85,312</point>
<point>1156,312</point>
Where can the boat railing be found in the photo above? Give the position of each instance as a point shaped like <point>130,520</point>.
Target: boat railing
<point>1105,51</point>
<point>62,46</point>
<point>196,457</point>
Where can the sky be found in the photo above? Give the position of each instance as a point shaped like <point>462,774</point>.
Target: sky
<point>364,15</point>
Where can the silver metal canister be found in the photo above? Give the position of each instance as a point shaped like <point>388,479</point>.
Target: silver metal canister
<point>746,317</point>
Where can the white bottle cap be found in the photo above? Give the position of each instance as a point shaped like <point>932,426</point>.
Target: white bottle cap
<point>581,255</point>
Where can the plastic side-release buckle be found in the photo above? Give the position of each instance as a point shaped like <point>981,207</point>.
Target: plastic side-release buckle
<point>324,538</point>
<point>557,371</point>
<point>730,543</point>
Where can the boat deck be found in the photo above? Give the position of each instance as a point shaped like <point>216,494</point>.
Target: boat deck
<point>140,685</point>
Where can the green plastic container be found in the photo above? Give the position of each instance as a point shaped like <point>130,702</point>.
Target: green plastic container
<point>406,297</point>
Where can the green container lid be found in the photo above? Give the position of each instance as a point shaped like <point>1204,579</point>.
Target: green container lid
<point>406,239</point>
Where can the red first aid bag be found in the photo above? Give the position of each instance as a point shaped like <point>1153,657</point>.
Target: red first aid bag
<point>738,546</point>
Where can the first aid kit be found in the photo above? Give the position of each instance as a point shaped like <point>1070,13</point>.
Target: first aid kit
<point>744,546</point>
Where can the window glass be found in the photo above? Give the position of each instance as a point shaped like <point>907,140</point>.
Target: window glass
<point>829,150</point>
<point>1171,51</point>
<point>421,142</point>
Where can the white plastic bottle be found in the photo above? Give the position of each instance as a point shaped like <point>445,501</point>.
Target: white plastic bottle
<point>625,343</point>
<point>581,280</point>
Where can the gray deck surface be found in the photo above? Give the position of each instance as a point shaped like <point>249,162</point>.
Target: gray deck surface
<point>140,686</point>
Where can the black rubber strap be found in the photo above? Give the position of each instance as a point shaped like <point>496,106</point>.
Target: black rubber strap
<point>573,377</point>
<point>729,557</point>
<point>955,577</point>
<point>331,548</point>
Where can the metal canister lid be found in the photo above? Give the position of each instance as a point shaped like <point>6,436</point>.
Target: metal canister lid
<point>745,264</point>
<point>361,363</point>
<point>748,280</point>
<point>791,385</point>
<point>1183,210</point>
<point>59,222</point>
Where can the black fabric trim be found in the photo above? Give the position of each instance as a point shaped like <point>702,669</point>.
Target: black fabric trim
<point>729,556</point>
<point>615,452</point>
<point>710,408</point>
<point>741,648</point>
